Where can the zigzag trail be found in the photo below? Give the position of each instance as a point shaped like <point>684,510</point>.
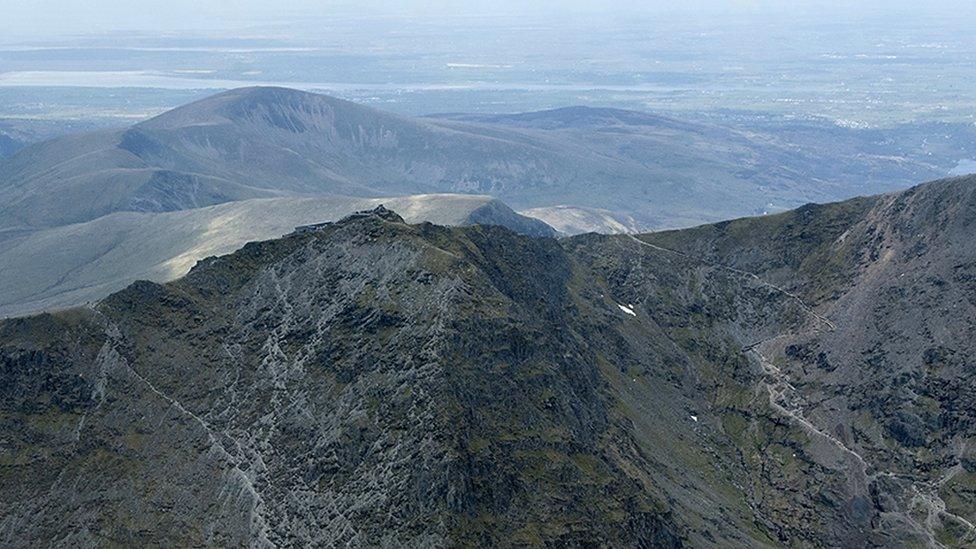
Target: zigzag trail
<point>787,400</point>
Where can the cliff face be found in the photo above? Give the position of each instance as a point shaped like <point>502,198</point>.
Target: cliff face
<point>369,383</point>
<point>883,385</point>
<point>791,380</point>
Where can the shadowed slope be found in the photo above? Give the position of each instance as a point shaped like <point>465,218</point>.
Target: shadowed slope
<point>796,380</point>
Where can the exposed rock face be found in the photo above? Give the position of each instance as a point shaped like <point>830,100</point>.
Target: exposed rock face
<point>369,383</point>
<point>763,382</point>
<point>888,384</point>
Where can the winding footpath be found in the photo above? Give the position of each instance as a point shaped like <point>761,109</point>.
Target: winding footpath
<point>787,400</point>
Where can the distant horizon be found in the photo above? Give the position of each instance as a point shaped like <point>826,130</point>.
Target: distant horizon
<point>870,64</point>
<point>31,20</point>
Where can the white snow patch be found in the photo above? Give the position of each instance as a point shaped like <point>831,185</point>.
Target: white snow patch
<point>626,309</point>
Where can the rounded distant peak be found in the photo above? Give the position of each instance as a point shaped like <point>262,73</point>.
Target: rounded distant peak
<point>273,95</point>
<point>285,108</point>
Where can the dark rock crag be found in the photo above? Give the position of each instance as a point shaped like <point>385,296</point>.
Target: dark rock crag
<point>794,380</point>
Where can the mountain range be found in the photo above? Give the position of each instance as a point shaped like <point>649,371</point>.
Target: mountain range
<point>652,171</point>
<point>85,214</point>
<point>800,379</point>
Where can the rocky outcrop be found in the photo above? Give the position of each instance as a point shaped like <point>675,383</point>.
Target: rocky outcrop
<point>368,383</point>
<point>796,380</point>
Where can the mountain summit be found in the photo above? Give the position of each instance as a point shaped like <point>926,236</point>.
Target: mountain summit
<point>799,379</point>
<point>242,144</point>
<point>68,266</point>
<point>285,108</point>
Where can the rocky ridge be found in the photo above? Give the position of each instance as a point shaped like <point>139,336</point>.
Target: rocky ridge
<point>793,380</point>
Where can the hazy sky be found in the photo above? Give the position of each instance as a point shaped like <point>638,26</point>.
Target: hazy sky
<point>39,18</point>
